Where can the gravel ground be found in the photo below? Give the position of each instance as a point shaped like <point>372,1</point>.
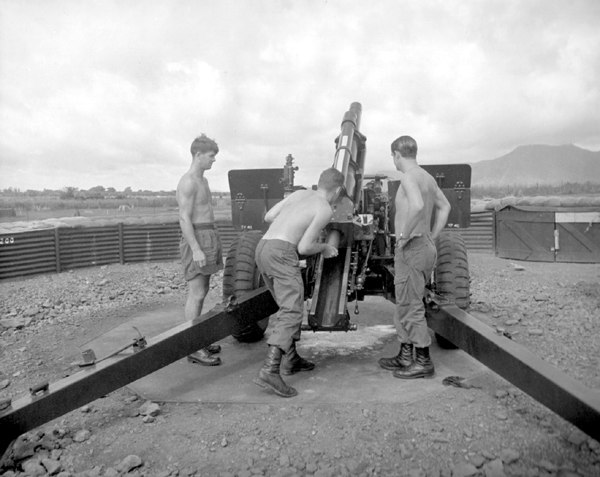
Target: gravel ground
<point>491,429</point>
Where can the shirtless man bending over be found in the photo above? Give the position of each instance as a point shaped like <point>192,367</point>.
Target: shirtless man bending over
<point>296,224</point>
<point>418,197</point>
<point>200,247</point>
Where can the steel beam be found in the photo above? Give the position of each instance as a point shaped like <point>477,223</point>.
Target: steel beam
<point>106,376</point>
<point>555,389</point>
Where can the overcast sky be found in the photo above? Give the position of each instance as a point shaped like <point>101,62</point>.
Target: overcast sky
<point>112,93</point>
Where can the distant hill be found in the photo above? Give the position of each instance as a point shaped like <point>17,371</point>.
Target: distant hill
<point>539,164</point>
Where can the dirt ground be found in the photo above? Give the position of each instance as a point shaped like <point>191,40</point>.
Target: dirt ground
<point>491,429</point>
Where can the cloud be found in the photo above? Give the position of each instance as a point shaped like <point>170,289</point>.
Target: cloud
<point>113,93</point>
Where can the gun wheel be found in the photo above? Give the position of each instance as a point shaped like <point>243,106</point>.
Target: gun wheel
<point>241,276</point>
<point>451,275</point>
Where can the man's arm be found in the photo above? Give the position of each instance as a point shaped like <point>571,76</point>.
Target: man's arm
<point>308,244</point>
<point>414,205</point>
<point>442,210</point>
<point>274,211</point>
<point>186,194</point>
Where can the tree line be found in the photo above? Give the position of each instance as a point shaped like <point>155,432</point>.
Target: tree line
<point>533,190</point>
<point>95,193</point>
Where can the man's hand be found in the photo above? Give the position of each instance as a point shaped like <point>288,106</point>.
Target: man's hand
<point>330,251</point>
<point>199,257</point>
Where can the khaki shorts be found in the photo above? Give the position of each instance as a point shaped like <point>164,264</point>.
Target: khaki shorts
<point>210,244</point>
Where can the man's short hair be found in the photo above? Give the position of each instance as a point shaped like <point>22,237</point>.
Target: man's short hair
<point>406,146</point>
<point>203,144</point>
<point>330,179</point>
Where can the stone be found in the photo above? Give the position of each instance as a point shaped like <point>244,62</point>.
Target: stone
<point>548,466</point>
<point>508,456</point>
<point>576,438</point>
<point>594,445</point>
<point>464,469</point>
<point>535,331</point>
<point>502,415</point>
<point>4,383</point>
<point>129,463</point>
<point>150,408</point>
<point>17,323</point>
<point>477,460</point>
<point>23,449</point>
<point>52,466</point>
<point>33,468</point>
<point>82,435</point>
<point>148,419</point>
<point>494,468</point>
<point>112,472</point>
<point>487,454</point>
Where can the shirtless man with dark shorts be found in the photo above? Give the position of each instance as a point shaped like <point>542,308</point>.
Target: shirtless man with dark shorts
<point>296,224</point>
<point>418,197</point>
<point>200,247</point>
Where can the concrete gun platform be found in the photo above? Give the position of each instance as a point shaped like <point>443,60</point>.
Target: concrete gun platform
<point>346,363</point>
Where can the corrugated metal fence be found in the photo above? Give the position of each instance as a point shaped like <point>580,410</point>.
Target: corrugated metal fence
<point>479,237</point>
<point>66,248</point>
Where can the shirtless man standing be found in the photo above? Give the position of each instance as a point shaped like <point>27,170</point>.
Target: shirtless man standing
<point>296,224</point>
<point>418,197</point>
<point>200,247</point>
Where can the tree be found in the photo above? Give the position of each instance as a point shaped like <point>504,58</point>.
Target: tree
<point>68,192</point>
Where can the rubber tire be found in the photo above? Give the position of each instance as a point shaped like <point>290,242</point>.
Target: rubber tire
<point>451,275</point>
<point>240,276</point>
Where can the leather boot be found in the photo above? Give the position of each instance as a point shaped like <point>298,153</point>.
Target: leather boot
<point>421,368</point>
<point>213,348</point>
<point>292,362</point>
<point>269,377</point>
<point>204,357</point>
<point>403,360</point>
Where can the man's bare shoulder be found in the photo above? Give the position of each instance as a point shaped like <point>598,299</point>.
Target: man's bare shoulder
<point>190,183</point>
<point>420,176</point>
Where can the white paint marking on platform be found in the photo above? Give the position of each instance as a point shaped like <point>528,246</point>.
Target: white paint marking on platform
<point>345,343</point>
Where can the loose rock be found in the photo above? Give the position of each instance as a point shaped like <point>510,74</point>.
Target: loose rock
<point>82,435</point>
<point>494,468</point>
<point>129,463</point>
<point>509,456</point>
<point>464,469</point>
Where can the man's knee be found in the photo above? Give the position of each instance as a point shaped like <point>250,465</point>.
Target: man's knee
<point>198,288</point>
<point>410,309</point>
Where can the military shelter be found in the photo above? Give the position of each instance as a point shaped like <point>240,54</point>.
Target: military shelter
<point>548,234</point>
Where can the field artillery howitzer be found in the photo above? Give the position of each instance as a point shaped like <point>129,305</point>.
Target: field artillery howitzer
<point>362,229</point>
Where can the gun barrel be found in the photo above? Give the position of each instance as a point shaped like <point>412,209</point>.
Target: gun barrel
<point>350,151</point>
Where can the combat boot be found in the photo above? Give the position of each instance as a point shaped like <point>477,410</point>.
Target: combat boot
<point>204,357</point>
<point>403,360</point>
<point>269,377</point>
<point>421,368</point>
<point>292,362</point>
